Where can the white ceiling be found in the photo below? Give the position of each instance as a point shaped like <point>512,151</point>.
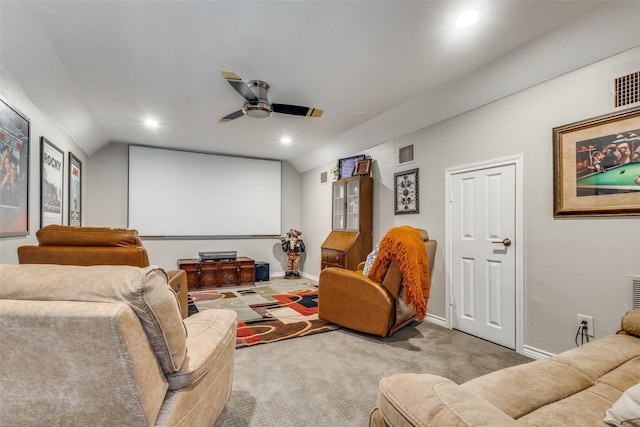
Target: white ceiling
<point>378,69</point>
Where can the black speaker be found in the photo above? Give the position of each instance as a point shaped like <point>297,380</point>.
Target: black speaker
<point>262,271</point>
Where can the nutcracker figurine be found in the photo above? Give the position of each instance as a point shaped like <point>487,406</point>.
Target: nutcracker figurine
<point>294,248</point>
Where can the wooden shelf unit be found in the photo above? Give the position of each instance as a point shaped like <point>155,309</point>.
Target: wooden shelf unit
<point>350,240</point>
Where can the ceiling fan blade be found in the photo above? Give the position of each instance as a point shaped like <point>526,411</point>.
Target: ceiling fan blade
<point>231,116</point>
<point>297,110</point>
<point>239,85</point>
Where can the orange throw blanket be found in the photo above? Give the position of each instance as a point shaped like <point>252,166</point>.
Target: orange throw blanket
<point>405,246</point>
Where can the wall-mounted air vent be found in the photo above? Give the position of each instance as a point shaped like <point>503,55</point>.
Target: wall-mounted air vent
<point>406,154</point>
<point>627,89</point>
<point>323,177</point>
<point>634,289</point>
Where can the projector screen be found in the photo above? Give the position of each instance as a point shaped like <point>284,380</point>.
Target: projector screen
<point>184,194</point>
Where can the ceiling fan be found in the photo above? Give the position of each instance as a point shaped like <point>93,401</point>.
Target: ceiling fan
<point>257,103</point>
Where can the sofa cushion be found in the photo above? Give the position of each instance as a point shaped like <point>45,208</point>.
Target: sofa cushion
<point>579,409</point>
<point>145,290</point>
<point>62,235</point>
<point>521,389</point>
<point>624,376</point>
<point>600,357</point>
<point>626,410</point>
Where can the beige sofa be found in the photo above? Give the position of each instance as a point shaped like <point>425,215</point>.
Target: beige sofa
<point>107,346</point>
<point>579,387</point>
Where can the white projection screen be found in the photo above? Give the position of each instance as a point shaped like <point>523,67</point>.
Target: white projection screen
<point>183,194</point>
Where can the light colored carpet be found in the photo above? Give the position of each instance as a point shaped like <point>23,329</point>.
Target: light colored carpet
<point>331,379</point>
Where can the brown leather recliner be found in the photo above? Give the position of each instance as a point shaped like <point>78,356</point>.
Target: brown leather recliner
<point>65,245</point>
<point>349,298</point>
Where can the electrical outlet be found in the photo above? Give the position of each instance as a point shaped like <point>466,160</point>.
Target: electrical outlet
<point>589,320</point>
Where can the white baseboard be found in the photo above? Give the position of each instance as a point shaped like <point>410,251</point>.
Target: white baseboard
<point>528,351</point>
<point>280,274</point>
<point>309,276</point>
<point>440,321</point>
<point>536,353</point>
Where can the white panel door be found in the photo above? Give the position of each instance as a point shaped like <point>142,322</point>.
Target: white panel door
<point>483,263</point>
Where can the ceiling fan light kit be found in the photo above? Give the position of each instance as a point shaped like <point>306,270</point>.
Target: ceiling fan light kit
<point>257,103</point>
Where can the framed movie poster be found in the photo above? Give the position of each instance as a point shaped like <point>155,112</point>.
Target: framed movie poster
<point>406,192</point>
<point>14,171</point>
<point>51,183</point>
<point>75,191</point>
<point>596,166</point>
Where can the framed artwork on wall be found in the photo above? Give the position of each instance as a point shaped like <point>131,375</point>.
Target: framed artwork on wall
<point>75,191</point>
<point>406,192</point>
<point>14,171</point>
<point>51,183</point>
<point>347,166</point>
<point>596,166</point>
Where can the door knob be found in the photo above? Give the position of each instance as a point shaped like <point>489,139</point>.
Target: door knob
<point>505,242</point>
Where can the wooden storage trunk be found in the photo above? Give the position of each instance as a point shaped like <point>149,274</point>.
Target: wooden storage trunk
<point>217,274</point>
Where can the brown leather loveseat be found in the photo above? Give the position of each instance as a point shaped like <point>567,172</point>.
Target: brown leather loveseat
<point>65,245</point>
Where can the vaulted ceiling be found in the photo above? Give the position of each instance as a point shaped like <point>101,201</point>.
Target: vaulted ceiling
<point>378,69</point>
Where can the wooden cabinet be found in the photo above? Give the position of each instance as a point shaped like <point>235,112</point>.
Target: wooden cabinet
<point>217,274</point>
<point>350,240</point>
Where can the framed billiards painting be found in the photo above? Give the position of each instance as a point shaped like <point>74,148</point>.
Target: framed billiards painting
<point>596,166</point>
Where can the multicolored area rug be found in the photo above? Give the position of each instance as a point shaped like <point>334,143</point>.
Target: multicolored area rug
<point>268,313</point>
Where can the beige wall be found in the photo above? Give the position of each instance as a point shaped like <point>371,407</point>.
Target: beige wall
<point>571,265</point>
<point>41,125</point>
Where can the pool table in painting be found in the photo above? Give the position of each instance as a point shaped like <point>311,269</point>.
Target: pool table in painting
<point>618,179</point>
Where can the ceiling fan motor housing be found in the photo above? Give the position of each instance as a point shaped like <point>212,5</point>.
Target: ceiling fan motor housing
<point>257,103</point>
<point>261,108</point>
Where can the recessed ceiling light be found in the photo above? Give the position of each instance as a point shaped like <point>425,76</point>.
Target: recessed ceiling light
<point>285,140</point>
<point>466,19</point>
<point>151,123</point>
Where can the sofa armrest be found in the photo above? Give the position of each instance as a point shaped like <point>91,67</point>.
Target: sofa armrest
<point>425,399</point>
<point>209,334</point>
<point>178,282</point>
